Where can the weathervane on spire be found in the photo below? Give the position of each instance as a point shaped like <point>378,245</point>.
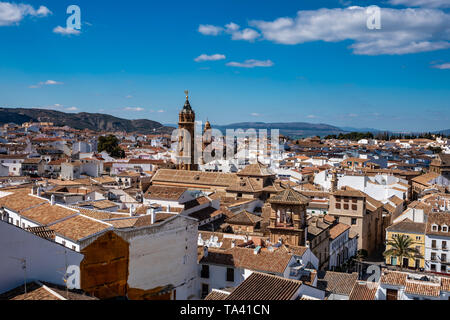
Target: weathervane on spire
<point>186,92</point>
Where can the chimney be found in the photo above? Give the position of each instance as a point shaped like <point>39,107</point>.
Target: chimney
<point>39,191</point>
<point>205,251</point>
<point>52,200</point>
<point>32,190</point>
<point>131,211</point>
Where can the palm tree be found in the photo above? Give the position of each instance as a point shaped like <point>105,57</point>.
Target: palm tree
<point>401,247</point>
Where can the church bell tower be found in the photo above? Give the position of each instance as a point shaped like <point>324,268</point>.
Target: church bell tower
<point>186,140</point>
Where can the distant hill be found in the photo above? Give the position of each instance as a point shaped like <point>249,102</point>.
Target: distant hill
<point>292,129</point>
<point>83,120</point>
<point>446,132</point>
<point>351,129</point>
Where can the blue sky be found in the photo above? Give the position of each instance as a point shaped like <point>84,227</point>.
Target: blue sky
<point>269,61</point>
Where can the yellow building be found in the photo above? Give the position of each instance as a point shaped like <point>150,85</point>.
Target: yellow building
<point>415,231</point>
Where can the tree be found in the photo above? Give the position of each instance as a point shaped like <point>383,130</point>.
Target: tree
<point>110,144</point>
<point>358,258</point>
<point>401,247</point>
<point>435,150</point>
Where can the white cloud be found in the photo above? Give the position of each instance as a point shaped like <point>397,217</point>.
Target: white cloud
<point>205,57</point>
<point>246,34</point>
<point>236,34</point>
<point>251,63</point>
<point>43,11</point>
<point>311,116</point>
<point>66,31</point>
<point>254,114</point>
<point>157,111</point>
<point>422,3</point>
<point>46,83</point>
<point>402,31</point>
<point>209,30</point>
<point>72,109</point>
<point>444,66</point>
<point>230,28</point>
<point>11,13</point>
<point>134,109</point>
<point>50,83</point>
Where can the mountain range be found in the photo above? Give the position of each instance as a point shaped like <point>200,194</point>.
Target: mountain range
<point>83,120</point>
<point>106,122</point>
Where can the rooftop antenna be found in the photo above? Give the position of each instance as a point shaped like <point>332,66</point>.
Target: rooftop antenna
<point>23,261</point>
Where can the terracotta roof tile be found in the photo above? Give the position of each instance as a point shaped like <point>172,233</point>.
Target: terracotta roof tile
<point>394,278</point>
<point>289,196</point>
<point>79,227</point>
<point>336,282</point>
<point>260,286</point>
<point>423,289</point>
<point>363,291</point>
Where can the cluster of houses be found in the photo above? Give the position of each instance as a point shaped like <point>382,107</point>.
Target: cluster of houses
<point>303,224</point>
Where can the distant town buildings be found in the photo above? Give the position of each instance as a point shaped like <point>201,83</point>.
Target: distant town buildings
<point>302,224</point>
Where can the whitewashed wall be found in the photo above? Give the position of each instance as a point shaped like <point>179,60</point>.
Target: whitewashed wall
<point>45,259</point>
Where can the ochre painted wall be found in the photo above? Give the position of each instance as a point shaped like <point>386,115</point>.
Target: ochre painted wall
<point>104,269</point>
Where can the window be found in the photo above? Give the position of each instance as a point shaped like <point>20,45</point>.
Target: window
<point>444,245</point>
<point>433,244</point>
<point>433,267</point>
<point>434,227</point>
<point>63,243</point>
<point>418,238</point>
<point>354,207</point>
<point>338,205</point>
<point>205,271</point>
<point>443,257</point>
<point>354,221</point>
<point>346,200</point>
<point>345,206</point>
<point>230,274</point>
<point>433,256</point>
<point>354,200</point>
<point>74,248</point>
<point>444,229</point>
